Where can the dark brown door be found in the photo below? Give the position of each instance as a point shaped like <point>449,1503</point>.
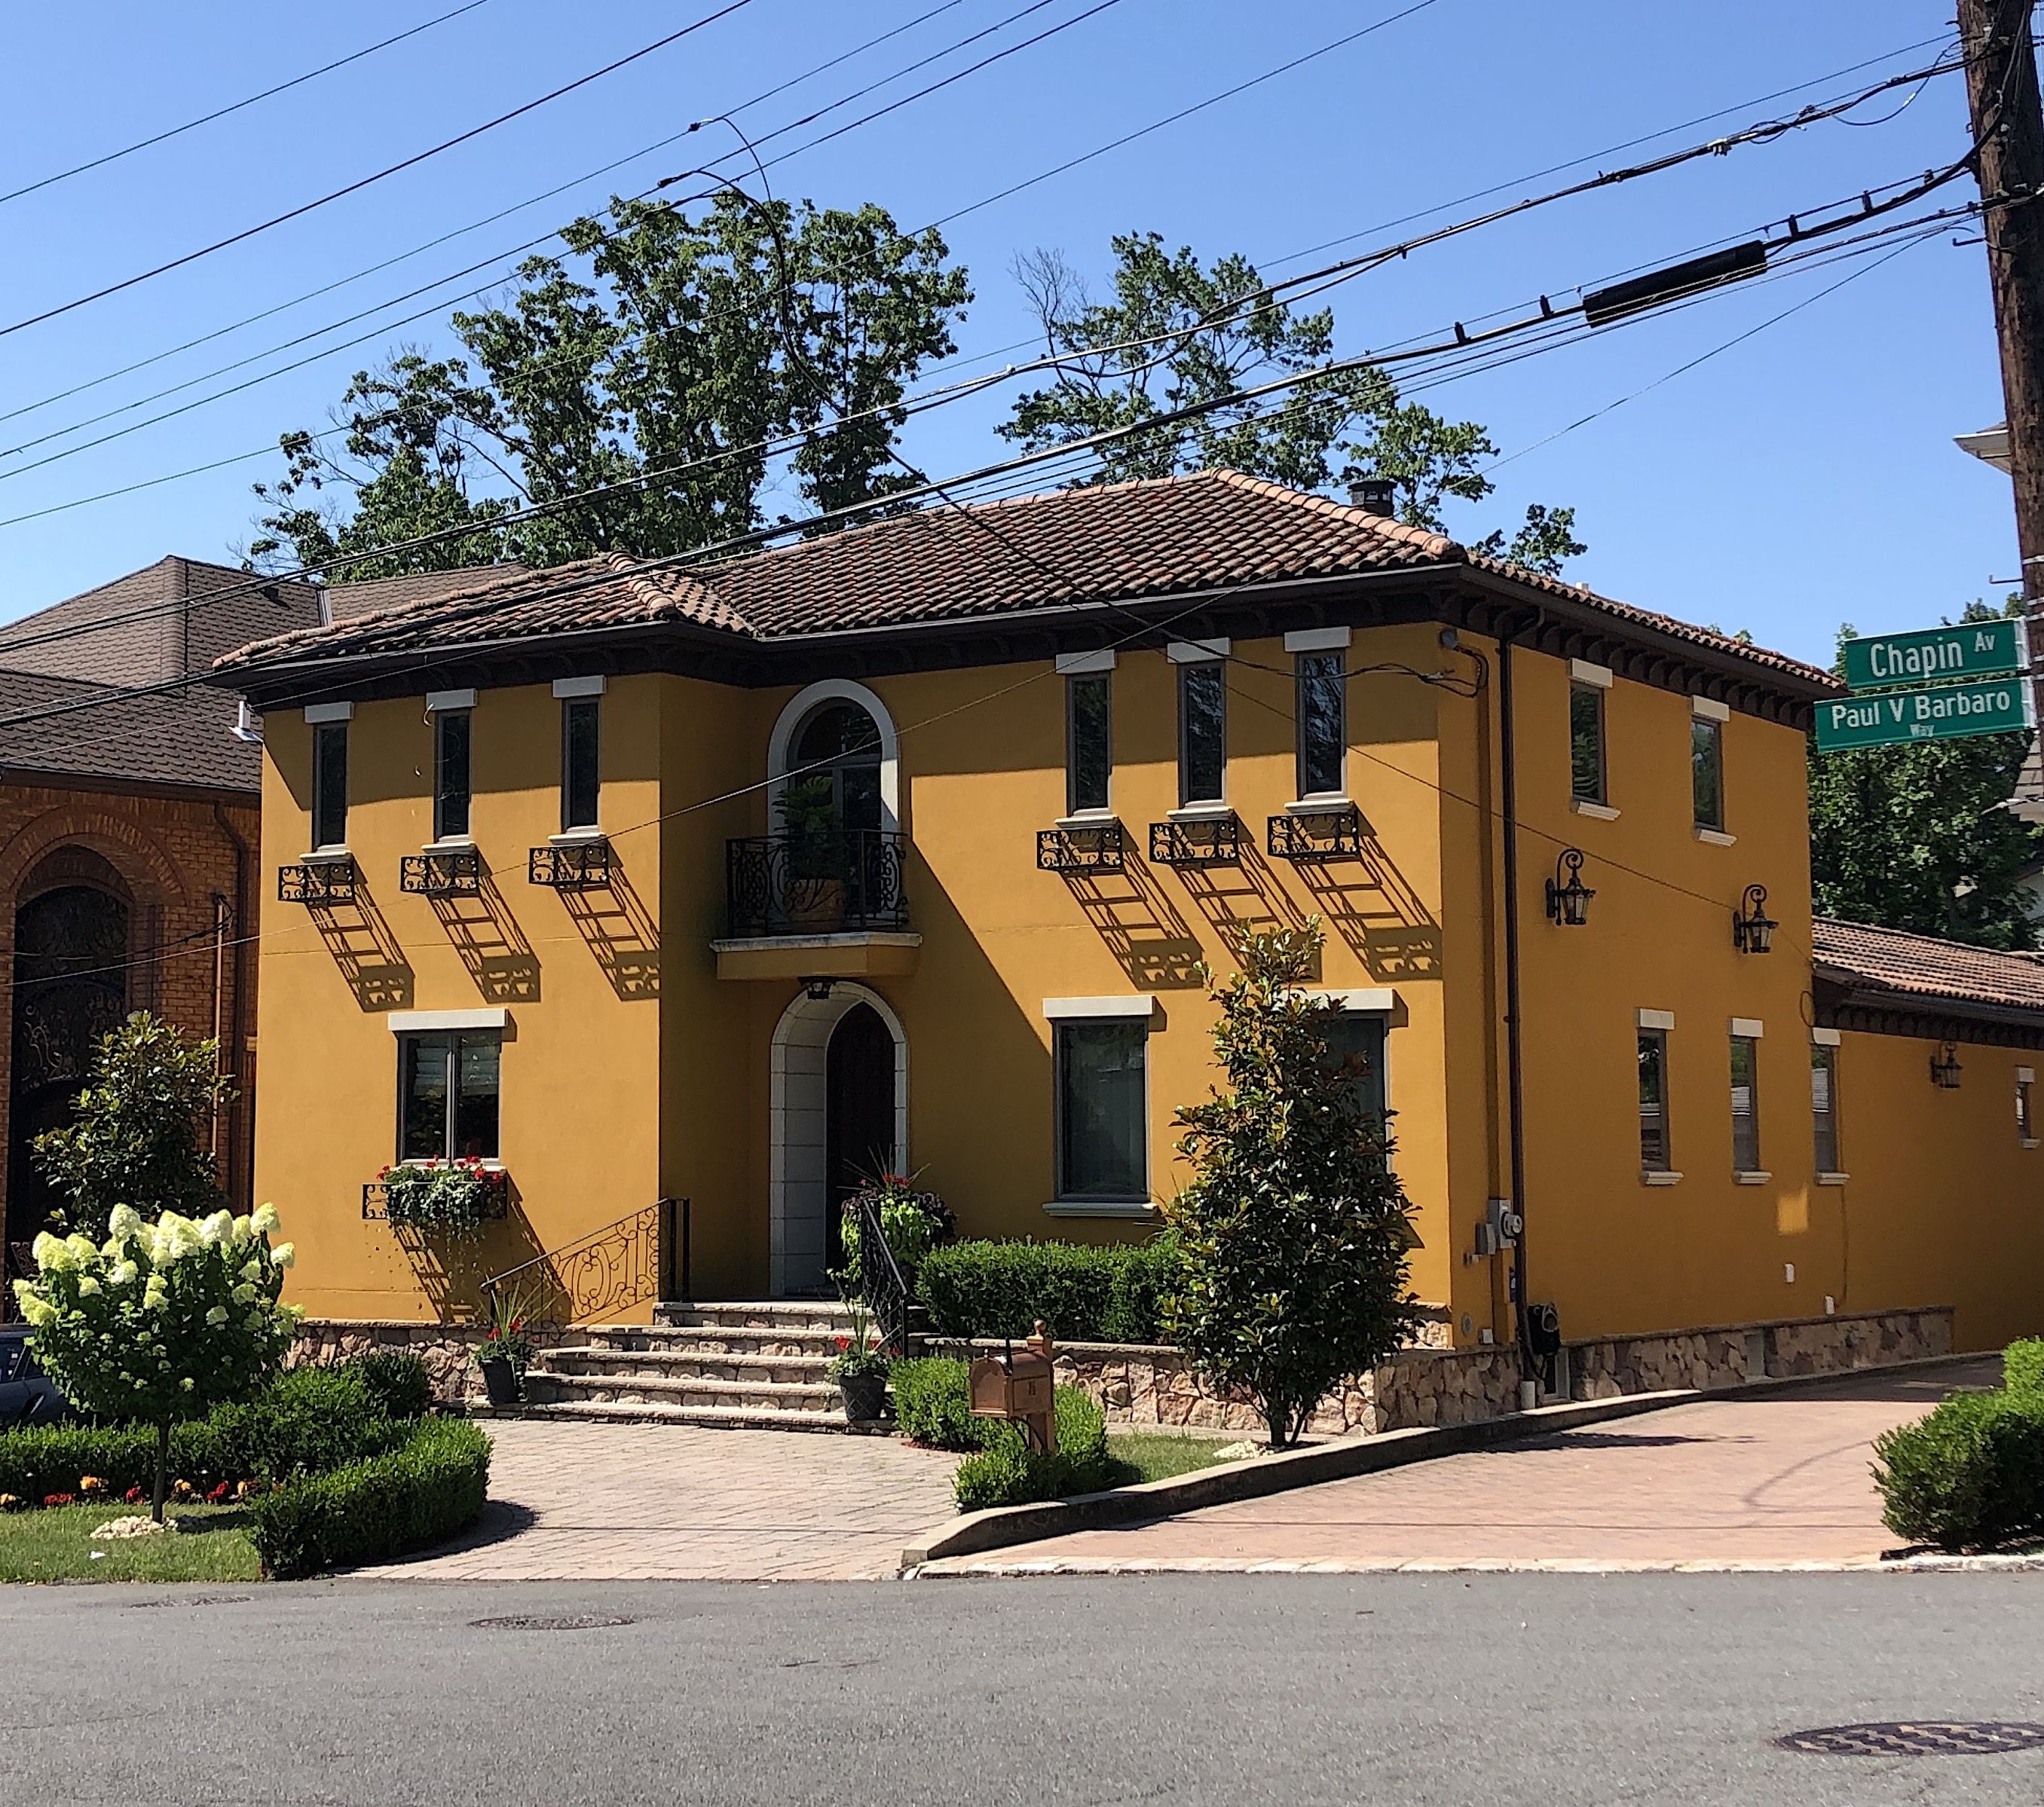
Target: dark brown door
<point>859,1112</point>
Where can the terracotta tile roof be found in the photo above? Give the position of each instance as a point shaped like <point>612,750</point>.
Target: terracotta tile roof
<point>1864,958</point>
<point>1182,535</point>
<point>350,601</point>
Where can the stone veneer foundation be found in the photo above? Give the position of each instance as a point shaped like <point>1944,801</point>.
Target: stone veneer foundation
<point>1148,1383</point>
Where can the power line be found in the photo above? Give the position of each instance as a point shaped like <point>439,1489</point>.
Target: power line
<point>221,113</point>
<point>355,187</point>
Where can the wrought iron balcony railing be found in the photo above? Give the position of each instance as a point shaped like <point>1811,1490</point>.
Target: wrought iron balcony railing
<point>828,881</point>
<point>1335,833</point>
<point>317,882</point>
<point>1088,848</point>
<point>570,866</point>
<point>455,873</point>
<point>1210,842</point>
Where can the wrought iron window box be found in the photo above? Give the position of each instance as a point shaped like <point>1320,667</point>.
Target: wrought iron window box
<point>455,873</point>
<point>816,882</point>
<point>315,882</point>
<point>1087,849</point>
<point>1310,835</point>
<point>1216,842</point>
<point>570,866</point>
<point>496,1197</point>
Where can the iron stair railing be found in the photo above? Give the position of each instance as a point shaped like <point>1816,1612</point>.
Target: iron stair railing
<point>644,1256</point>
<point>881,1283</point>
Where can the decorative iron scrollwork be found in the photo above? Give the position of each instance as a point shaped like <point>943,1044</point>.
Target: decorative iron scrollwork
<point>1307,835</point>
<point>457,873</point>
<point>1088,848</point>
<point>643,1257</point>
<point>816,882</point>
<point>573,865</point>
<point>1215,841</point>
<point>318,883</point>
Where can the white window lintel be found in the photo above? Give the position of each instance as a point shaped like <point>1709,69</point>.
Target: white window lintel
<point>1707,709</point>
<point>1319,639</point>
<point>437,701</point>
<point>1581,671</point>
<point>1751,1026</point>
<point>1199,652</point>
<point>580,686</point>
<point>1058,1010</point>
<point>317,713</point>
<point>418,1022</point>
<point>1656,1019</point>
<point>1824,1038</point>
<point>1361,999</point>
<point>1082,665</point>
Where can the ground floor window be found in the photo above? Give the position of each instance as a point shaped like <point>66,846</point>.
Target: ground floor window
<point>448,1088</point>
<point>1103,1109</point>
<point>1355,1041</point>
<point>1745,1105</point>
<point>1653,1100</point>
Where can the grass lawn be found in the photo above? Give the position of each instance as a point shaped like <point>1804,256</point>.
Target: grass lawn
<point>1156,1455</point>
<point>53,1544</point>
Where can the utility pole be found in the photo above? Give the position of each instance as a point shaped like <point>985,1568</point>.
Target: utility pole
<point>2008,126</point>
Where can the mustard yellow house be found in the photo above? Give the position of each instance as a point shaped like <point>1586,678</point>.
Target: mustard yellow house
<point>904,847</point>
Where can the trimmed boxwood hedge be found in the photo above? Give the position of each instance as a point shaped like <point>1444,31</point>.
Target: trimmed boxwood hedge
<point>933,1405</point>
<point>431,1486</point>
<point>1970,1476</point>
<point>1084,1293</point>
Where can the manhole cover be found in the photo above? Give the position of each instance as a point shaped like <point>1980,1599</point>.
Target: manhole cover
<point>194,1600</point>
<point>567,1622</point>
<point>1917,1738</point>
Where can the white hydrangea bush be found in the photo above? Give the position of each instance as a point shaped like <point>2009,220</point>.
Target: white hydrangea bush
<point>162,1320</point>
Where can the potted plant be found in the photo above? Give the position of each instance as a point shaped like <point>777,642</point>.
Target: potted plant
<point>506,1351</point>
<point>813,891</point>
<point>913,1221</point>
<point>861,1368</point>
<point>455,1196</point>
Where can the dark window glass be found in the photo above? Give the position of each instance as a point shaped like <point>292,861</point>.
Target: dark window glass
<point>1355,1044</point>
<point>2026,1121</point>
<point>1745,1105</point>
<point>1586,742</point>
<point>1824,1107</point>
<point>447,1087</point>
<point>1322,708</point>
<point>1706,771</point>
<point>837,749</point>
<point>451,773</point>
<point>1103,1140</point>
<point>580,716</point>
<point>1202,732</point>
<point>1653,1100</point>
<point>330,785</point>
<point>1089,741</point>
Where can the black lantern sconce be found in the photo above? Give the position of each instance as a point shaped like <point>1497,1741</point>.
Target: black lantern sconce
<point>1569,898</point>
<point>1944,1066</point>
<point>817,990</point>
<point>1752,928</point>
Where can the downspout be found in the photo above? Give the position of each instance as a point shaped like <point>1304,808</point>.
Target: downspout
<point>242,1112</point>
<point>1514,1084</point>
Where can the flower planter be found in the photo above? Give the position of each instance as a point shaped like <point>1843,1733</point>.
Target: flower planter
<point>501,1381</point>
<point>864,1396</point>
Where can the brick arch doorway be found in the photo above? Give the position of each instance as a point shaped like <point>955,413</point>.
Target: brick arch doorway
<point>72,930</point>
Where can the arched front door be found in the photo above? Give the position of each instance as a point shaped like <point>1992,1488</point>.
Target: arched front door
<point>859,1114</point>
<point>70,987</point>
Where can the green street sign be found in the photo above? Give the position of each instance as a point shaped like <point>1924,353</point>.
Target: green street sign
<point>1945,713</point>
<point>1974,649</point>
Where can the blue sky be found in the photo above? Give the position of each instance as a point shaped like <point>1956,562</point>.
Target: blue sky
<point>1804,477</point>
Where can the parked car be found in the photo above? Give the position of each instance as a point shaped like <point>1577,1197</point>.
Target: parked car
<point>27,1394</point>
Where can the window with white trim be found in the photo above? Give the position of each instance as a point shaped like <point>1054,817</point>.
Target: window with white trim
<point>1103,1101</point>
<point>1356,1042</point>
<point>1322,688</point>
<point>329,784</point>
<point>1089,740</point>
<point>581,719</point>
<point>447,1092</point>
<point>1586,753</point>
<point>451,773</point>
<point>1706,771</point>
<point>1745,1104</point>
<point>1654,1101</point>
<point>1824,1105</point>
<point>1202,732</point>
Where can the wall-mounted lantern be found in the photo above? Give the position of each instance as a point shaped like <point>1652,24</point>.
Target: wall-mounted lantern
<point>1569,898</point>
<point>817,990</point>
<point>1752,928</point>
<point>1944,1066</point>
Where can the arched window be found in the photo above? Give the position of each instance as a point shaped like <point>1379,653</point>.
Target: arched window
<point>834,766</point>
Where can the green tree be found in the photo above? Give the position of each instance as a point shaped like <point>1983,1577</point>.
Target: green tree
<point>659,340</point>
<point>1294,1231</point>
<point>1193,333</point>
<point>141,1124</point>
<point>1919,837</point>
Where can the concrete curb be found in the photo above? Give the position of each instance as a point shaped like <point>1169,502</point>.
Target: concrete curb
<point>1002,1527</point>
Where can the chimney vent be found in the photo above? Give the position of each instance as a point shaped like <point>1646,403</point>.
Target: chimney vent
<point>1373,495</point>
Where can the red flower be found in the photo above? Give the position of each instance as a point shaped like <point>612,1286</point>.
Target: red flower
<point>134,1496</point>
<point>215,1495</point>
<point>59,1499</point>
<point>843,1343</point>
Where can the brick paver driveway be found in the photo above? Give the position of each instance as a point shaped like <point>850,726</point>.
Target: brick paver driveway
<point>594,1501</point>
<point>1769,1480</point>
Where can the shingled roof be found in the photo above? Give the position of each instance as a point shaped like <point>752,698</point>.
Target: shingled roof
<point>1877,964</point>
<point>1211,531</point>
<point>178,736</point>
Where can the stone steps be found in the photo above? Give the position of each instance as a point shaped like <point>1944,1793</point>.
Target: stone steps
<point>706,1418</point>
<point>688,1363</point>
<point>772,1314</point>
<point>683,1340</point>
<point>550,1387</point>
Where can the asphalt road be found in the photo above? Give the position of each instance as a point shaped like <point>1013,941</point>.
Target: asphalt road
<point>1296,1688</point>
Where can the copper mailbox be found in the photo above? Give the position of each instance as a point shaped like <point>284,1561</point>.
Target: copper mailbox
<point>1019,1386</point>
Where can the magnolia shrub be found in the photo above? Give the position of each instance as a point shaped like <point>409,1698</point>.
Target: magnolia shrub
<point>162,1320</point>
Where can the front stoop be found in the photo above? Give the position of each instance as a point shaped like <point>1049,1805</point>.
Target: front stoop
<point>739,1366</point>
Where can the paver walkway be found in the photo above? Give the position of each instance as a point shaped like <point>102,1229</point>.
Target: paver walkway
<point>1769,1480</point>
<point>629,1502</point>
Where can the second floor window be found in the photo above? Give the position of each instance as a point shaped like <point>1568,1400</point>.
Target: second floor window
<point>1706,771</point>
<point>1824,1106</point>
<point>1745,1104</point>
<point>581,717</point>
<point>330,785</point>
<point>2026,1110</point>
<point>1323,712</point>
<point>1586,769</point>
<point>450,791</point>
<point>1653,1100</point>
<point>448,1088</point>
<point>1202,732</point>
<point>1089,741</point>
